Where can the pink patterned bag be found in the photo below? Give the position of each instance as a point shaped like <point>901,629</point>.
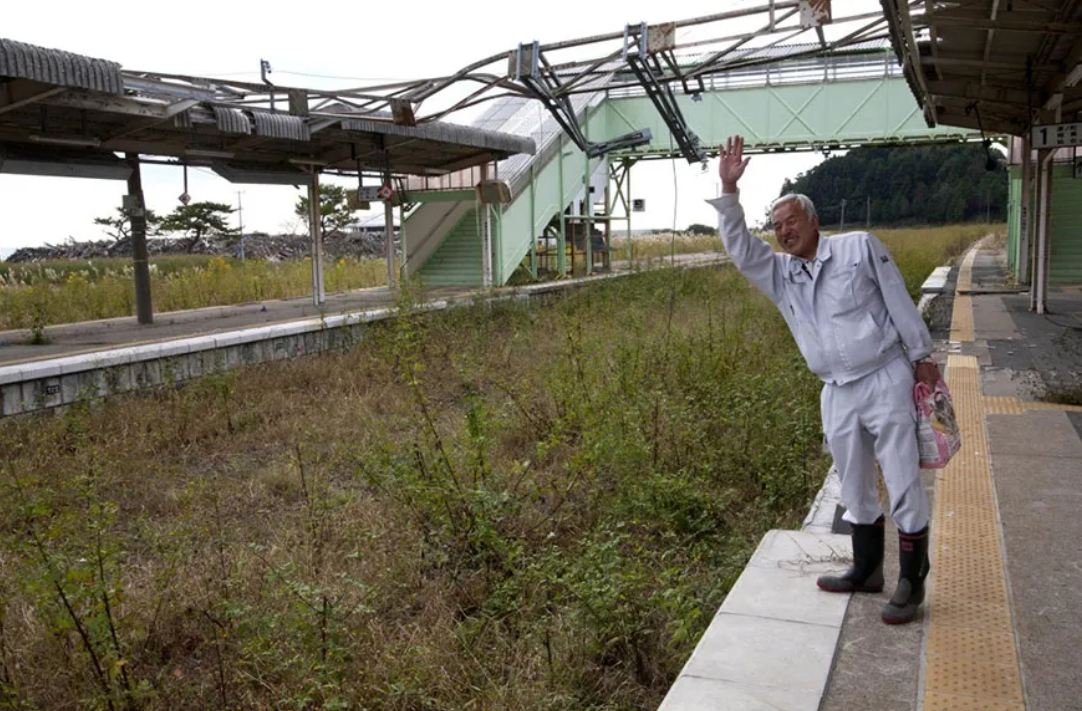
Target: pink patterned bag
<point>938,437</point>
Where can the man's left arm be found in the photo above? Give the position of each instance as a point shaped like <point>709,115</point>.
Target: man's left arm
<point>907,320</point>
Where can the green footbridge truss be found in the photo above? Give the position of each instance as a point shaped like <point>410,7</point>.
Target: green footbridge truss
<point>827,102</point>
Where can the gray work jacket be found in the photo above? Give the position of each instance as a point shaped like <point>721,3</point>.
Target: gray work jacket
<point>848,308</point>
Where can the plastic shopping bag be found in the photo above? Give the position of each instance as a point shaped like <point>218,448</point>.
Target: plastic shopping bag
<point>938,437</point>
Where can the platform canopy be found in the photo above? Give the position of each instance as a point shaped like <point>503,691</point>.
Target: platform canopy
<point>990,64</point>
<point>67,114</point>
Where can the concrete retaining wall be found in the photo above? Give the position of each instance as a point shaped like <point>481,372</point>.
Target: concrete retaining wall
<point>46,384</point>
<point>56,382</point>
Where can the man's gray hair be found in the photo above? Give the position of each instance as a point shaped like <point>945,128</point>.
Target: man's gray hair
<point>803,200</point>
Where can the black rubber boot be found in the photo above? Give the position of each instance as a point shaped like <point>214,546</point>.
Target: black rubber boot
<point>913,569</point>
<point>866,573</point>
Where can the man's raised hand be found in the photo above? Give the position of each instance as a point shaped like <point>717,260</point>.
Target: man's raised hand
<point>732,163</point>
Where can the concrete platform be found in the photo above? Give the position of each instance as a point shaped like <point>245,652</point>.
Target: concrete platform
<point>95,359</point>
<point>1034,457</point>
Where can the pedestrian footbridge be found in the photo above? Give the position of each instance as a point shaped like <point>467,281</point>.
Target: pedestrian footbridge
<point>853,97</point>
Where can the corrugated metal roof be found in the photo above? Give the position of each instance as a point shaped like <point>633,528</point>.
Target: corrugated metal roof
<point>446,132</point>
<point>53,66</point>
<point>183,119</point>
<point>188,112</point>
<point>231,120</point>
<point>284,126</point>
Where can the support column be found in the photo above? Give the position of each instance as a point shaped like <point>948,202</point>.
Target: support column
<point>1034,231</point>
<point>319,296</point>
<point>402,241</point>
<point>1039,289</point>
<point>1025,213</point>
<point>561,242</point>
<point>495,211</point>
<point>628,207</point>
<point>496,233</point>
<point>137,217</point>
<point>486,242</point>
<point>533,222</point>
<point>388,235</point>
<point>588,213</point>
<point>606,258</point>
<point>486,235</point>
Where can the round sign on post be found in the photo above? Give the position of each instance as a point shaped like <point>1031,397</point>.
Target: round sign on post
<point>386,193</point>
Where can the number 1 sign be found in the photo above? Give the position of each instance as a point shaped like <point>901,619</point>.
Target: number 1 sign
<point>1055,135</point>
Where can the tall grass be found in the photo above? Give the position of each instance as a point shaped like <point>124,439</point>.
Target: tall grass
<point>45,293</point>
<point>663,244</point>
<point>917,250</point>
<point>40,294</point>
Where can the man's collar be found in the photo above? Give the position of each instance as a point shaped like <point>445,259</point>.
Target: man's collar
<point>797,270</point>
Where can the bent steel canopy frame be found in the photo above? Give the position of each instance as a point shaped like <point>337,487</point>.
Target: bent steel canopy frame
<point>253,130</point>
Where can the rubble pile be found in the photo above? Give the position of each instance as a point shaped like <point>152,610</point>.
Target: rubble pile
<point>256,245</point>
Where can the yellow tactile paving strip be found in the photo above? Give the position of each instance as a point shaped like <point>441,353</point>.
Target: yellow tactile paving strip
<point>962,315</point>
<point>1052,406</point>
<point>970,658</point>
<point>1004,406</point>
<point>962,320</point>
<point>1013,406</point>
<point>965,269</point>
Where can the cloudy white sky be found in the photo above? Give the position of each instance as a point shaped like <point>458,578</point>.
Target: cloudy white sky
<point>326,44</point>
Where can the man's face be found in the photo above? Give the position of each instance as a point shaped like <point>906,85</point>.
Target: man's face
<point>797,233</point>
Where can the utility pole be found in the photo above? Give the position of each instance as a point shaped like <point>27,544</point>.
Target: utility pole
<point>240,220</point>
<point>842,221</point>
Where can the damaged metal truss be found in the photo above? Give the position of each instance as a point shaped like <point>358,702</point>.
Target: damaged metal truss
<point>546,87</point>
<point>656,60</point>
<point>645,47</point>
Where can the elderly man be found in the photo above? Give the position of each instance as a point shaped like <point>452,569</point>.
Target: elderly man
<point>847,306</point>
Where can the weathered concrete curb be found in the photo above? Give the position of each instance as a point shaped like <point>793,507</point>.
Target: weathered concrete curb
<point>771,644</point>
<point>933,286</point>
<point>820,518</point>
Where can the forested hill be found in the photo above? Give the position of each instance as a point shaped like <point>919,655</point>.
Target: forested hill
<point>907,185</point>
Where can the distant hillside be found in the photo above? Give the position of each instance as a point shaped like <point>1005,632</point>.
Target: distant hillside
<point>907,185</point>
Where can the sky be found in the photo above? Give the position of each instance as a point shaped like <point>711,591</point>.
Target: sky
<point>329,45</point>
